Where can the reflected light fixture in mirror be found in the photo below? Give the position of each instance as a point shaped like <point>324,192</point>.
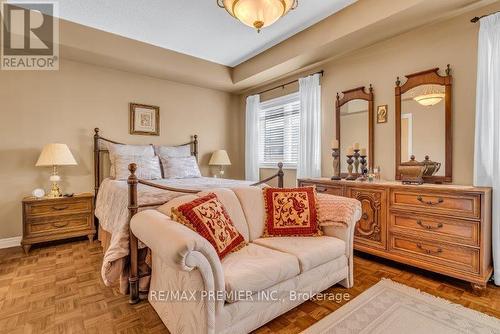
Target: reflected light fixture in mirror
<point>431,96</point>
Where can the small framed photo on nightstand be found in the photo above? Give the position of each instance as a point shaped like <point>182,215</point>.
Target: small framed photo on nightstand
<point>144,120</point>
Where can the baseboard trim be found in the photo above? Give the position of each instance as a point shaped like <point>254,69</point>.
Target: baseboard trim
<point>10,242</point>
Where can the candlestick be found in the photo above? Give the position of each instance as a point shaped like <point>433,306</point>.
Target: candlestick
<point>336,164</point>
<point>363,167</point>
<point>356,160</point>
<point>350,160</point>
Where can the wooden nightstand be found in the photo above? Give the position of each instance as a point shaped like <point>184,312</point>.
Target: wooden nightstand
<point>50,219</point>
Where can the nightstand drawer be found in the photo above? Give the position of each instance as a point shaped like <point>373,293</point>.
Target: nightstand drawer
<point>58,225</point>
<point>59,207</point>
<point>324,189</point>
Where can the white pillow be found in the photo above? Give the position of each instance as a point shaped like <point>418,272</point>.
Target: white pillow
<point>127,150</point>
<point>183,151</point>
<point>148,168</point>
<point>180,168</point>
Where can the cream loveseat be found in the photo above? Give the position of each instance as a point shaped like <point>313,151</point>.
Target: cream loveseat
<point>194,292</point>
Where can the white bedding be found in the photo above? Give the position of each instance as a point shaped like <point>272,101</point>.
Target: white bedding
<point>112,212</point>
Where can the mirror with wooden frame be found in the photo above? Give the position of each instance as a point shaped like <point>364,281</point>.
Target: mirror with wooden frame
<point>423,124</point>
<point>354,123</point>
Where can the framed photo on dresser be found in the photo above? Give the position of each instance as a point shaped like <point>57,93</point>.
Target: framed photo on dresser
<point>144,119</point>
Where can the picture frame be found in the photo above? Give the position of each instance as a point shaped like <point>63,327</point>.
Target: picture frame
<point>382,112</point>
<point>144,119</point>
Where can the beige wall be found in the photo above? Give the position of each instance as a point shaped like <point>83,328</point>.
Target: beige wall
<point>64,106</point>
<point>450,42</point>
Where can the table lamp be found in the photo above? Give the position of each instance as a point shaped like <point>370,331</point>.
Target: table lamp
<point>221,159</point>
<point>55,155</point>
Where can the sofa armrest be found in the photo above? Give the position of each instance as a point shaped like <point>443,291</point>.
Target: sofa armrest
<point>345,231</point>
<point>179,247</point>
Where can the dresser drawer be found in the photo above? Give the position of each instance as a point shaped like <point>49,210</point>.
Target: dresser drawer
<point>58,207</point>
<point>46,226</point>
<point>433,254</point>
<point>440,228</point>
<point>462,205</point>
<point>324,189</point>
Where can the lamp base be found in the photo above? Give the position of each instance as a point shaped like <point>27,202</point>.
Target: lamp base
<point>55,191</point>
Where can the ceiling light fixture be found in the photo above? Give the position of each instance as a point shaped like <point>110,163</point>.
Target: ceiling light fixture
<point>258,14</point>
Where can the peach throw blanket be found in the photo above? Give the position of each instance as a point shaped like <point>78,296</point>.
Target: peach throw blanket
<point>337,210</point>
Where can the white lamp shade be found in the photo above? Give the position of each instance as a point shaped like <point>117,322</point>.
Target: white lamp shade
<point>220,158</point>
<point>56,155</point>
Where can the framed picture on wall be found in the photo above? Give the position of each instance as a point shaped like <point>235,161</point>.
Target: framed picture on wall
<point>144,119</point>
<point>382,114</point>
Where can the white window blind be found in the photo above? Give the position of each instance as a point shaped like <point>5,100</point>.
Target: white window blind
<point>279,131</point>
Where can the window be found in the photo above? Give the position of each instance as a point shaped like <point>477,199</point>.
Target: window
<point>279,131</point>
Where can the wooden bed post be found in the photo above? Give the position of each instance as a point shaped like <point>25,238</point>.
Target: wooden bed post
<point>280,175</point>
<point>195,144</point>
<point>97,171</point>
<point>134,245</point>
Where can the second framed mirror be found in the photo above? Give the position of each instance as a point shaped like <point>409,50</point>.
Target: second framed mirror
<point>423,127</point>
<point>354,128</point>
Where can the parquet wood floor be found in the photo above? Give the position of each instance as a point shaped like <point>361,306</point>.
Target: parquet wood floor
<point>58,289</point>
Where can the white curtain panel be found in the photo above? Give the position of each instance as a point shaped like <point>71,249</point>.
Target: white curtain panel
<point>309,160</point>
<point>252,138</point>
<point>487,143</point>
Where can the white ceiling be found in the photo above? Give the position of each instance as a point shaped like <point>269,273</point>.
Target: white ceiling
<point>195,27</point>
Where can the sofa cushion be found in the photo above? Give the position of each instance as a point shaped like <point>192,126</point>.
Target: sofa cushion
<point>252,203</point>
<point>291,212</point>
<point>207,216</point>
<point>233,207</point>
<point>255,268</point>
<point>310,251</point>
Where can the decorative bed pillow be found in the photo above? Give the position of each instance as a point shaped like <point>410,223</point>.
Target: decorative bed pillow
<point>127,150</point>
<point>207,216</point>
<point>173,151</point>
<point>290,212</point>
<point>180,168</point>
<point>148,168</point>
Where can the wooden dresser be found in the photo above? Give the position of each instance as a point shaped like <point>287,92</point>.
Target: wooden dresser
<point>441,228</point>
<point>50,219</point>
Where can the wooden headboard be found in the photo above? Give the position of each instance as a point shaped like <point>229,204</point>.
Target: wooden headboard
<point>99,152</point>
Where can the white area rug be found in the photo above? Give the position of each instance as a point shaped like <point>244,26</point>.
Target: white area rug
<point>393,308</point>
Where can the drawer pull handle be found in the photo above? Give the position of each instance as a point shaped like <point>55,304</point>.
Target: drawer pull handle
<point>59,225</point>
<point>59,208</point>
<point>429,251</point>
<point>421,200</point>
<point>429,227</point>
<point>321,189</point>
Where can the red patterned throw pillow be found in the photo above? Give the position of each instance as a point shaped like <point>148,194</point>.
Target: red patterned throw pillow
<point>291,212</point>
<point>208,217</point>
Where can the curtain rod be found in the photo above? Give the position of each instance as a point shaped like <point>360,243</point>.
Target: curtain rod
<point>288,83</point>
<point>476,19</point>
